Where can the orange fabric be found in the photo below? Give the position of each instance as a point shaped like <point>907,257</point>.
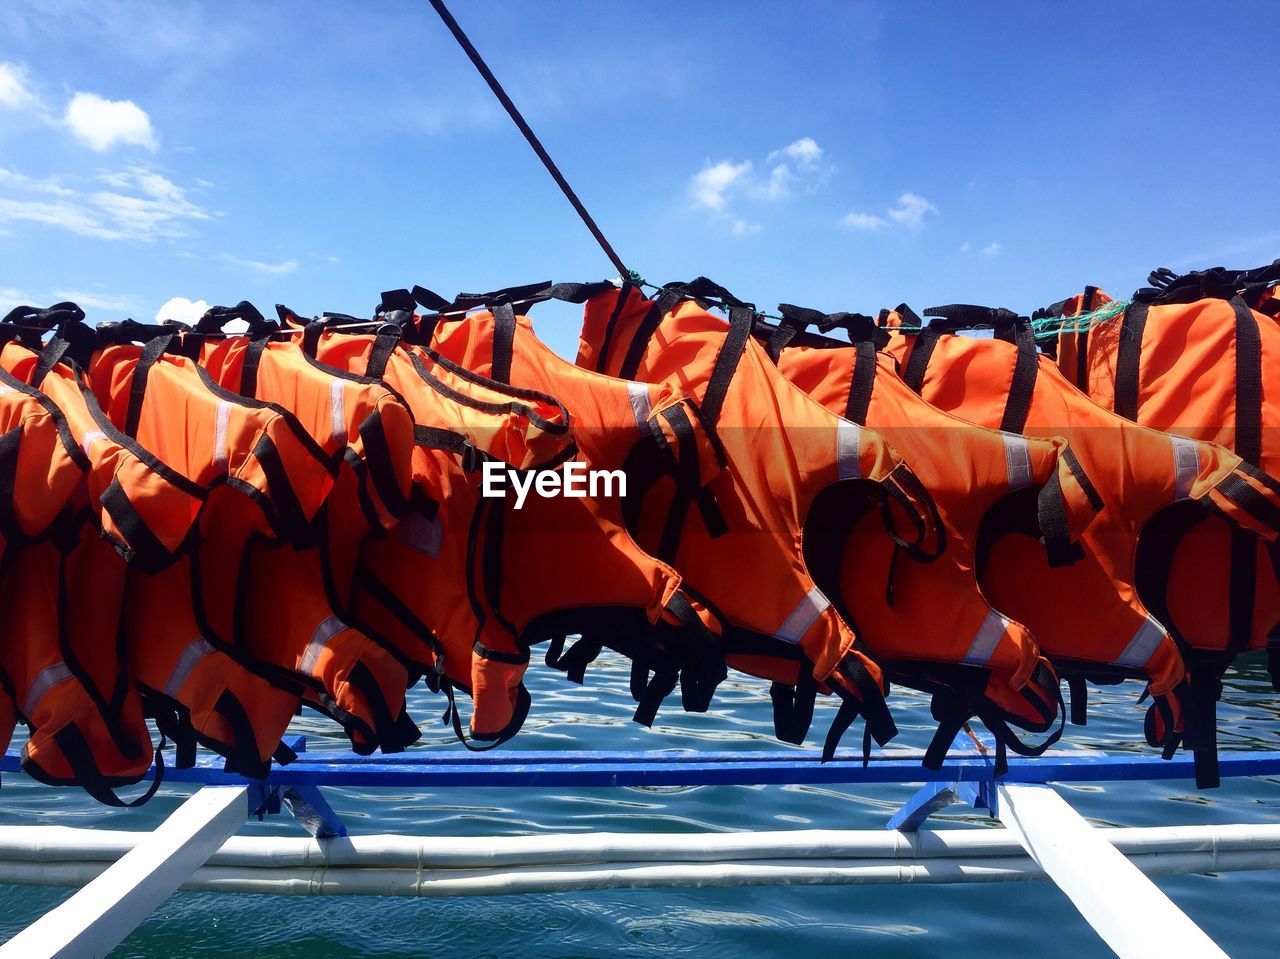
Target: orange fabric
<point>297,593</point>
<point>1186,386</point>
<point>260,479</point>
<point>568,565</point>
<point>439,626</point>
<point>782,450</point>
<point>939,613</point>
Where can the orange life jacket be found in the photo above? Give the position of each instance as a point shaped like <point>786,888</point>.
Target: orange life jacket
<point>589,575</point>
<point>261,480</point>
<point>781,462</point>
<point>366,435</point>
<point>462,419</point>
<point>937,627</point>
<point>1191,358</point>
<point>62,582</point>
<point>1108,608</point>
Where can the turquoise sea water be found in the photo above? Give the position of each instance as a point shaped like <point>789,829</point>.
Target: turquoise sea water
<point>993,920</point>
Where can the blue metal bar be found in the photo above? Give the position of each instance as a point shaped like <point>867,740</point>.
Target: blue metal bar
<point>574,769</point>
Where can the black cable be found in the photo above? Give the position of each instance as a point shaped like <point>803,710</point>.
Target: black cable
<point>529,135</point>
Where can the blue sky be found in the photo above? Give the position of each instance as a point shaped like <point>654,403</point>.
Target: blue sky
<point>840,155</point>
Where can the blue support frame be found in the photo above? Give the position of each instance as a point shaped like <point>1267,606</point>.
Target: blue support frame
<point>964,778</point>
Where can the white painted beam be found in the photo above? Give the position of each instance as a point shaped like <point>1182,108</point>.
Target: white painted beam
<point>97,918</point>
<point>1122,905</point>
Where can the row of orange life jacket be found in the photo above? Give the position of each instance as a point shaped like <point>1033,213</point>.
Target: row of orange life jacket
<point>228,525</point>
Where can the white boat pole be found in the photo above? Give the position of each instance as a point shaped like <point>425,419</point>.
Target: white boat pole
<point>97,918</point>
<point>1122,905</point>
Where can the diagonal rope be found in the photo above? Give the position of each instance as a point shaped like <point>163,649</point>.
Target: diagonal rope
<point>529,135</point>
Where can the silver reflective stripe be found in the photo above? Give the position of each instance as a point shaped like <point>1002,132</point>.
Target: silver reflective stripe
<point>220,434</point>
<point>987,638</point>
<point>803,616</point>
<point>638,393</point>
<point>1186,465</point>
<point>45,680</point>
<point>1143,645</point>
<point>196,650</point>
<point>1017,459</point>
<point>424,535</point>
<point>338,411</point>
<point>330,628</point>
<point>849,449</point>
<point>87,440</point>
<point>5,388</point>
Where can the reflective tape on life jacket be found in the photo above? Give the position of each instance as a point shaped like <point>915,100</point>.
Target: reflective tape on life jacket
<point>462,420</point>
<point>301,597</point>
<point>777,452</point>
<point>926,618</point>
<point>568,565</point>
<point>1109,608</point>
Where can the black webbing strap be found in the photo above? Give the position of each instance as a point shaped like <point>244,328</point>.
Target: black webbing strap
<point>574,662</point>
<point>177,727</point>
<point>384,344</point>
<point>242,756</point>
<point>793,706</point>
<point>702,665</point>
<point>650,688</point>
<point>50,356</point>
<point>868,703</point>
<point>1248,446</point>
<point>1129,359</point>
<point>151,353</point>
<point>311,337</point>
<point>741,321</point>
<point>249,371</point>
<point>520,712</point>
<point>392,735</point>
<point>84,770</point>
<point>664,304</point>
<point>1079,690</point>
<point>145,547</point>
<point>794,320</point>
<point>291,519</point>
<point>950,715</point>
<point>918,361</point>
<point>1051,513</point>
<point>1022,388</point>
<point>863,383</point>
<point>504,338</point>
<point>382,470</point>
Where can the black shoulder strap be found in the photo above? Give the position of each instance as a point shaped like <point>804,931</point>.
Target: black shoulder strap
<point>1129,359</point>
<point>741,320</point>
<point>863,383</point>
<point>1248,446</point>
<point>151,353</point>
<point>1023,386</point>
<point>918,361</point>
<point>640,341</point>
<point>504,338</point>
<point>384,344</point>
<point>249,372</point>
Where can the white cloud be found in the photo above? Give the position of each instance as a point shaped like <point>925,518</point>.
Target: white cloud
<point>101,124</point>
<point>778,186</point>
<point>991,249</point>
<point>283,268</point>
<point>143,206</point>
<point>97,301</point>
<point>182,309</point>
<point>805,152</point>
<point>744,228</point>
<point>964,247</point>
<point>910,210</point>
<point>710,184</point>
<point>863,221</point>
<point>15,92</point>
<point>9,298</point>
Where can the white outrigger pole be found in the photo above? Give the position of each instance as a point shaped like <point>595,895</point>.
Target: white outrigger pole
<point>1102,871</point>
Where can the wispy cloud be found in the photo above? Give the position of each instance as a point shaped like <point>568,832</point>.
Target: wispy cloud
<point>283,268</point>
<point>101,124</point>
<point>710,185</point>
<point>15,88</point>
<point>910,210</point>
<point>143,205</point>
<point>718,185</point>
<point>105,302</point>
<point>863,221</point>
<point>991,249</point>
